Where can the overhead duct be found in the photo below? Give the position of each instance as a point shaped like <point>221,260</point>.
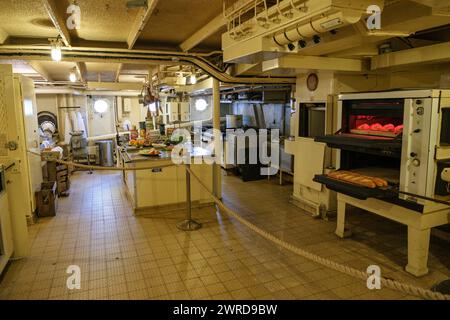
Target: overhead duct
<point>137,57</point>
<point>278,29</point>
<point>316,26</point>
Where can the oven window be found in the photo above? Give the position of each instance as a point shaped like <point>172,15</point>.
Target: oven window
<point>380,118</point>
<point>376,125</point>
<point>445,126</point>
<point>312,120</point>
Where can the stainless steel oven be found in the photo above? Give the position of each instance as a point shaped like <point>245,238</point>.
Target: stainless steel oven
<point>400,136</point>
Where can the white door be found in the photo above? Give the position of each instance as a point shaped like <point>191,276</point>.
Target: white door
<point>101,121</point>
<point>30,122</point>
<point>12,130</point>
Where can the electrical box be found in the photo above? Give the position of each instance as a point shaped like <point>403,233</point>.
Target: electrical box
<point>126,107</point>
<point>185,111</point>
<point>173,111</point>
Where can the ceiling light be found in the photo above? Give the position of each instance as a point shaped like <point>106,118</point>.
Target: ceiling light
<point>201,104</point>
<point>193,79</point>
<point>181,81</point>
<point>152,107</point>
<point>56,49</point>
<point>73,76</point>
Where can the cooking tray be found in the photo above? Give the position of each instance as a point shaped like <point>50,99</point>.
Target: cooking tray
<point>388,134</point>
<point>353,190</point>
<point>376,145</point>
<point>389,194</point>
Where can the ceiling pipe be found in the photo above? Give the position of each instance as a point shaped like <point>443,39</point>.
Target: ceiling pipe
<point>138,57</point>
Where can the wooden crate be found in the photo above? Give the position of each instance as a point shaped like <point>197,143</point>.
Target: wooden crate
<point>46,200</point>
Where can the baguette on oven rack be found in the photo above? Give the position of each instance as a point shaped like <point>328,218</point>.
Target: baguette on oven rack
<point>359,179</point>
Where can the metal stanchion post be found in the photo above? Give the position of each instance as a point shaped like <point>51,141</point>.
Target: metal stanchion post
<point>188,224</point>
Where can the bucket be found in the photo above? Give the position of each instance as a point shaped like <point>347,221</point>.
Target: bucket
<point>234,121</point>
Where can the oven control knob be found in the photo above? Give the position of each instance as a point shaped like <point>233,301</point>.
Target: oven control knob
<point>415,162</point>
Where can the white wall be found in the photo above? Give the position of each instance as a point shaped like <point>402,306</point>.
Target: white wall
<point>55,103</point>
<point>137,113</point>
<point>47,102</point>
<point>104,123</point>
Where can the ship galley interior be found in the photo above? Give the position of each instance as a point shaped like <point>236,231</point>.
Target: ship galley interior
<point>224,150</point>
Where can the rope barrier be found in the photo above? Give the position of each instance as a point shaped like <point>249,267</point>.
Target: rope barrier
<point>99,168</point>
<point>392,284</point>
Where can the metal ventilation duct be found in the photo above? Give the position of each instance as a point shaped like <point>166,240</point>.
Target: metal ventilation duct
<point>137,57</point>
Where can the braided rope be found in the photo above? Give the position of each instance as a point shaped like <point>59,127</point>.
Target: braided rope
<point>392,284</point>
<point>99,168</point>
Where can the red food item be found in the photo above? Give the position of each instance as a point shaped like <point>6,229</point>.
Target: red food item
<point>376,127</point>
<point>389,127</point>
<point>364,126</point>
<point>398,129</point>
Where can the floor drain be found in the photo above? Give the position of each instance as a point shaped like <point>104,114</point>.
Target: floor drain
<point>442,287</point>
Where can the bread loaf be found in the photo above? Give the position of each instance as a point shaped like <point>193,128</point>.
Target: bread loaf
<point>359,179</point>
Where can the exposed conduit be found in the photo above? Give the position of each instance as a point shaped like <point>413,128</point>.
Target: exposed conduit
<point>77,54</point>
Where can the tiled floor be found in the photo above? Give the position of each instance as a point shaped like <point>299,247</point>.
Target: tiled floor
<point>122,256</point>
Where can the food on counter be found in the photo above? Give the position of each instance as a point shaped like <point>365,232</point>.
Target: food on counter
<point>134,133</point>
<point>150,152</point>
<point>356,178</point>
<point>137,143</point>
<point>159,145</point>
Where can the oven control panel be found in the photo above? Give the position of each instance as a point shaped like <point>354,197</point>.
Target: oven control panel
<point>417,151</point>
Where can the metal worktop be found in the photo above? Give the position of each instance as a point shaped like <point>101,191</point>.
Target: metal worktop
<point>132,156</point>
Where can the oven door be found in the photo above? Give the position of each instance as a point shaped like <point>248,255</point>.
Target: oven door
<point>376,145</point>
<point>360,192</point>
<point>442,156</point>
<point>371,126</point>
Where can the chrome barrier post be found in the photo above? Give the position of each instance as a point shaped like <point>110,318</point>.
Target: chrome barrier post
<point>188,224</point>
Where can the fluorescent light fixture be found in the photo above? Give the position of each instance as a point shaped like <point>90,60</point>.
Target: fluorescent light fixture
<point>381,33</point>
<point>56,50</point>
<point>181,81</point>
<point>73,76</point>
<point>201,104</point>
<point>101,106</point>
